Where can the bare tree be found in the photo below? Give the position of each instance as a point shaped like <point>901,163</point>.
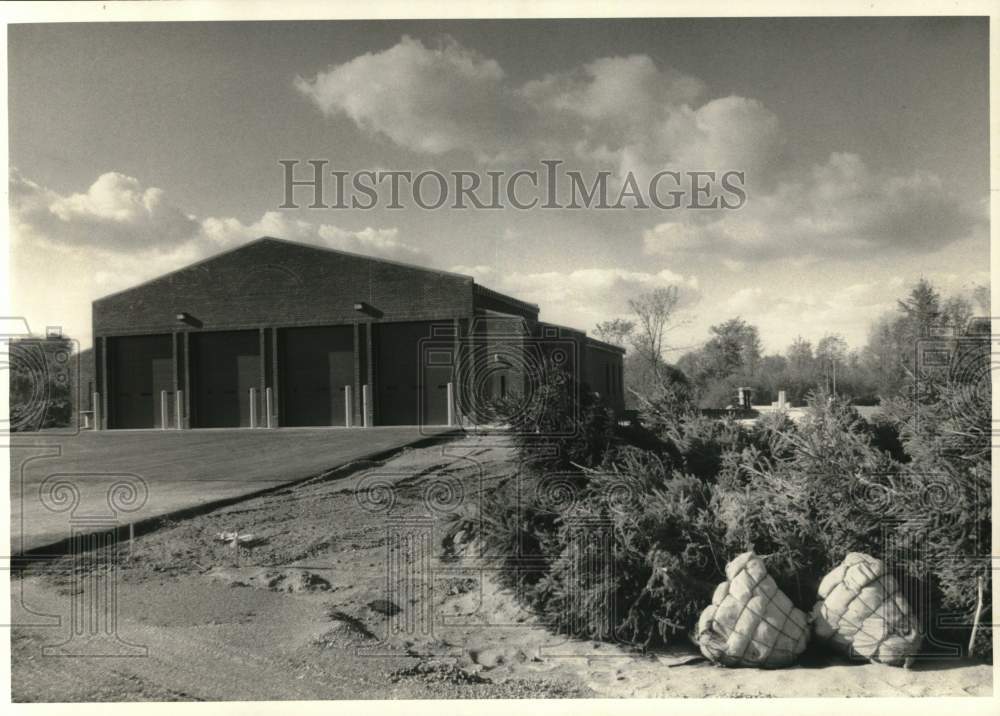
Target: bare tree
<point>831,351</point>
<point>616,331</point>
<point>654,311</point>
<point>981,295</point>
<point>956,312</point>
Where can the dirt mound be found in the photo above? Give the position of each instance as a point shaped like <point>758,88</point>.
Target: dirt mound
<point>347,631</point>
<point>440,671</point>
<point>291,581</point>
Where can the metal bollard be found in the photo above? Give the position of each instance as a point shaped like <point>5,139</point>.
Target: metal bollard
<point>365,407</point>
<point>268,407</point>
<point>451,404</point>
<point>179,410</point>
<point>164,410</point>
<point>253,407</point>
<point>97,410</point>
<point>348,407</point>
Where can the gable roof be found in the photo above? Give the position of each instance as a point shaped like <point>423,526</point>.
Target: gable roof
<point>274,240</point>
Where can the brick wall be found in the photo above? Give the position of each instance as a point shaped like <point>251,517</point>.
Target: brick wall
<point>604,375</point>
<point>272,282</point>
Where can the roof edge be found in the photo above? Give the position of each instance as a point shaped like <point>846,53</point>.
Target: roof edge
<point>604,344</point>
<point>490,293</point>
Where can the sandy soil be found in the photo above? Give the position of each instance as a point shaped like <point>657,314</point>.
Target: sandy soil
<point>339,590</point>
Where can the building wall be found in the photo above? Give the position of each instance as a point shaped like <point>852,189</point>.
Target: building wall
<point>604,375</point>
<point>501,364</point>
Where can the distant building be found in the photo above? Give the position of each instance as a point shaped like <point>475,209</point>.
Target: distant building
<point>286,334</point>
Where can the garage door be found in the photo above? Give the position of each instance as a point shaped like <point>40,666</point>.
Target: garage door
<point>224,366</point>
<point>139,368</point>
<point>315,365</point>
<point>403,397</point>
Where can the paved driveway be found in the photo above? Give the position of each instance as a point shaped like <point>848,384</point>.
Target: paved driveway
<point>81,482</point>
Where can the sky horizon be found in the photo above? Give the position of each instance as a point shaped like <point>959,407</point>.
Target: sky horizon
<point>137,149</point>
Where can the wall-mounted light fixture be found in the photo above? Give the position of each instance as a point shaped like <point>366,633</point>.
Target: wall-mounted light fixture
<point>188,319</point>
<point>367,308</point>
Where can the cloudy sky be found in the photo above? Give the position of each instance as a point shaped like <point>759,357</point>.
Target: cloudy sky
<point>136,149</point>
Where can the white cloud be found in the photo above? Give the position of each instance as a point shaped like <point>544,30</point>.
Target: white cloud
<point>116,210</point>
<point>732,133</point>
<point>840,209</point>
<point>622,89</point>
<point>626,113</point>
<point>429,99</point>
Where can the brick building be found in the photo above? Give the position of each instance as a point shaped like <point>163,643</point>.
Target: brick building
<point>276,333</point>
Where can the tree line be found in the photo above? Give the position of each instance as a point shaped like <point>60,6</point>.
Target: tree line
<point>733,354</point>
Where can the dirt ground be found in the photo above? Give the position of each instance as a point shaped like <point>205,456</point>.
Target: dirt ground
<point>339,589</point>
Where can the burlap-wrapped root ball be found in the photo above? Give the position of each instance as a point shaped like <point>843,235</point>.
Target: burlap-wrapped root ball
<point>751,622</point>
<point>861,611</point>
